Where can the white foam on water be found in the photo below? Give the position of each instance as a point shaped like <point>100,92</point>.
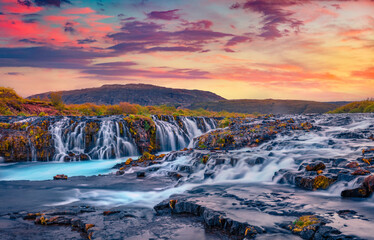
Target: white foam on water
<point>116,198</point>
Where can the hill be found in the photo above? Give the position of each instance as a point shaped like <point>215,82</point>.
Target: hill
<point>11,104</point>
<point>142,94</point>
<point>267,106</point>
<point>365,106</point>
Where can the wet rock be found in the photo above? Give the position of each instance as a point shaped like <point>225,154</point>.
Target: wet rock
<point>241,133</point>
<point>60,177</point>
<point>363,191</point>
<point>140,174</point>
<point>208,174</point>
<point>185,168</point>
<point>31,216</point>
<point>305,226</point>
<point>55,220</point>
<point>83,157</point>
<point>211,218</point>
<point>175,175</point>
<point>318,182</point>
<point>349,135</point>
<point>315,166</point>
<point>353,164</point>
<point>219,161</point>
<point>88,226</point>
<point>107,213</point>
<point>327,232</point>
<point>346,214</point>
<point>361,172</point>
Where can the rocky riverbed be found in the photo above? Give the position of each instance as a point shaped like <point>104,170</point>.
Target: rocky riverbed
<point>274,177</point>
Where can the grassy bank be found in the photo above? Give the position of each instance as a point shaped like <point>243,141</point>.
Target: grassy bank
<point>366,106</point>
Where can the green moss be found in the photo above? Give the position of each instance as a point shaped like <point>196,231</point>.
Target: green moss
<point>304,222</point>
<point>224,123</point>
<point>5,125</point>
<point>202,146</point>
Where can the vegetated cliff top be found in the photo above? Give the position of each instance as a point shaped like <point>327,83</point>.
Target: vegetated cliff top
<point>268,106</point>
<point>365,106</point>
<point>143,94</point>
<point>12,104</point>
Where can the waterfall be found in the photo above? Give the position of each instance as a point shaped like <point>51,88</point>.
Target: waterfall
<point>169,135</point>
<point>110,141</point>
<point>72,138</point>
<point>191,127</point>
<point>176,133</point>
<point>68,137</point>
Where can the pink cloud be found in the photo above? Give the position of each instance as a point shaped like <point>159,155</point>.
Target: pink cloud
<point>85,10</point>
<point>14,8</point>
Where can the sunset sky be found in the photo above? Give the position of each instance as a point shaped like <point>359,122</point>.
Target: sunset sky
<point>253,49</point>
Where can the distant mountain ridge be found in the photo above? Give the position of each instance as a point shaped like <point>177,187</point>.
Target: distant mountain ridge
<point>143,94</point>
<point>267,106</point>
<point>148,95</point>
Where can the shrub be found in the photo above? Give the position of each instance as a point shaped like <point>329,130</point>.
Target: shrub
<point>8,93</point>
<point>113,110</point>
<point>128,108</point>
<point>56,100</point>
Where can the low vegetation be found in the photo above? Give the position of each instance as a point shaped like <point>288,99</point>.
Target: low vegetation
<point>13,104</point>
<point>366,106</point>
<point>267,106</point>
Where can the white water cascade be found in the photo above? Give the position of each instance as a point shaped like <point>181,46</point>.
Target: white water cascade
<point>70,140</point>
<point>174,134</point>
<point>111,144</point>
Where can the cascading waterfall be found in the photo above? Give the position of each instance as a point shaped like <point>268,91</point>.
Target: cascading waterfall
<point>111,142</point>
<point>68,138</point>
<point>191,127</point>
<point>173,134</point>
<point>72,138</point>
<point>169,135</point>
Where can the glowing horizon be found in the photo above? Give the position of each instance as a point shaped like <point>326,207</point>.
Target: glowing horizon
<point>250,49</point>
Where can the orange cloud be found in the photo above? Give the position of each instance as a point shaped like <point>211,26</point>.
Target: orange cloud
<point>367,73</point>
<point>355,32</point>
<point>60,19</point>
<point>85,10</point>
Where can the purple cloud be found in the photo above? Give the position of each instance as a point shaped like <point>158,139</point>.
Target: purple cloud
<point>14,73</point>
<point>115,64</point>
<point>31,41</point>
<point>164,15</point>
<point>29,3</point>
<point>237,39</point>
<point>274,15</point>
<point>137,36</point>
<point>45,57</point>
<point>199,25</point>
<point>228,50</point>
<point>86,41</point>
<point>69,27</point>
<point>107,71</point>
<point>172,49</point>
<point>77,59</point>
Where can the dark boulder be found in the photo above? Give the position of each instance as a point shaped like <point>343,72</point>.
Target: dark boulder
<point>60,177</point>
<point>363,191</point>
